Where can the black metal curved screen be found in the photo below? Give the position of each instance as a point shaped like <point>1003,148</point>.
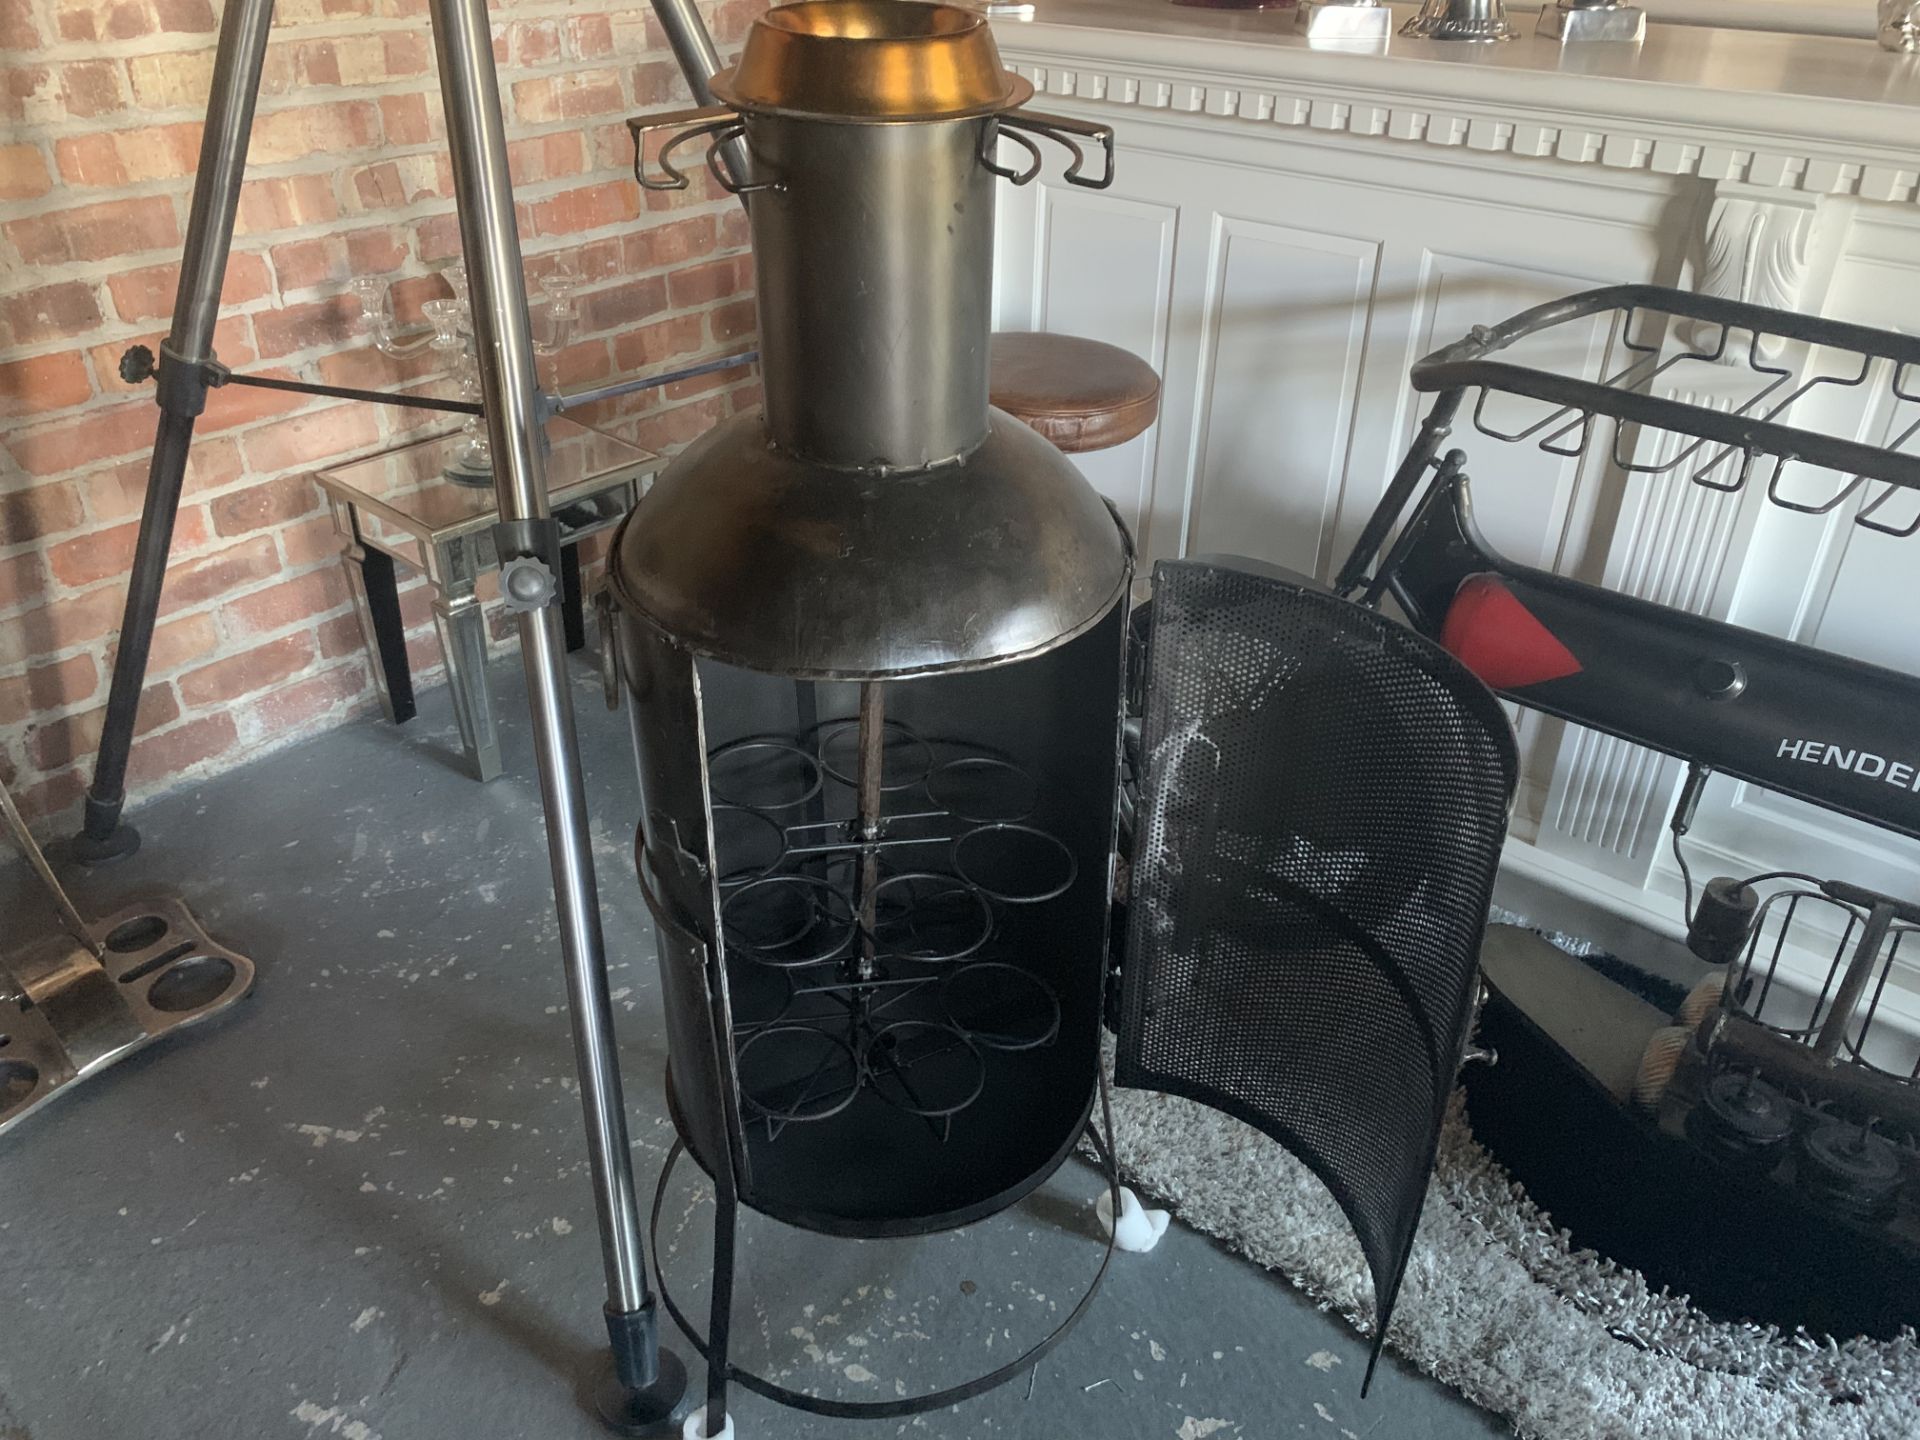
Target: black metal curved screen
<point>1324,800</point>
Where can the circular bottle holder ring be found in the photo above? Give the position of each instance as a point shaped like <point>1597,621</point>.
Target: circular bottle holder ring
<point>983,790</point>
<point>1017,864</point>
<point>758,773</point>
<point>924,1067</point>
<point>787,921</point>
<point>749,843</point>
<point>760,996</point>
<point>1001,1006</point>
<point>905,759</point>
<point>929,918</point>
<point>795,1074</point>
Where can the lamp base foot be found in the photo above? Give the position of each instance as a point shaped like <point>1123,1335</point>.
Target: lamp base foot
<point>659,1409</point>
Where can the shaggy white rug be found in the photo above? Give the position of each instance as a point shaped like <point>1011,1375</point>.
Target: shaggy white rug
<point>1498,1304</point>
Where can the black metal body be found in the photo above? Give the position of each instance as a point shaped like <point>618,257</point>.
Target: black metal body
<point>1824,728</point>
<point>1336,1017</point>
<point>1324,801</point>
<point>1306,917</point>
<point>1836,732</point>
<point>1671,1210</point>
<point>927,1068</point>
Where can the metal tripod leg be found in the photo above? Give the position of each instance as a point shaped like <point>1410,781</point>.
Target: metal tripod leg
<point>647,1385</point>
<point>182,395</point>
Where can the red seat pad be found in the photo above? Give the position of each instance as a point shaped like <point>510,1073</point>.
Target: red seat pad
<point>1494,635</point>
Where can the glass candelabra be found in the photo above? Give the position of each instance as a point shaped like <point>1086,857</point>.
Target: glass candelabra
<point>449,334</point>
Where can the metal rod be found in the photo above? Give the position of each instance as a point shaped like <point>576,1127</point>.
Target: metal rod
<point>1426,444</point>
<point>347,392</point>
<point>244,25</point>
<point>574,399</point>
<point>476,139</point>
<point>70,917</point>
<point>1854,984</point>
<point>693,48</point>
<point>866,826</point>
<point>720,1314</point>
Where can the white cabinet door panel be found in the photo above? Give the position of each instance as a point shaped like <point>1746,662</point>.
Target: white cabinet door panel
<point>1524,497</point>
<point>1106,268</point>
<point>1285,323</point>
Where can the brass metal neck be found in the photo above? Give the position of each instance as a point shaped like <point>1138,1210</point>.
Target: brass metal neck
<point>871,62</point>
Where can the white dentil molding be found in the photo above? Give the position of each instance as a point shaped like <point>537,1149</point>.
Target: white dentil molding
<point>1798,114</point>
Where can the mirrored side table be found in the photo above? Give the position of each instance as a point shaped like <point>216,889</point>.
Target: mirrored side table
<point>410,506</point>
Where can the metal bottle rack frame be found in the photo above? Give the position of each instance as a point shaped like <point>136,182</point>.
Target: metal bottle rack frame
<point>1700,689</point>
<point>875,641</point>
<point>781,912</point>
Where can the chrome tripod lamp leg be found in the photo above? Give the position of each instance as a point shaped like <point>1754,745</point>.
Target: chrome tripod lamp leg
<point>644,1392</point>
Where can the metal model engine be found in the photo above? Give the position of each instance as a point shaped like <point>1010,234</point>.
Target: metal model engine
<point>1765,1136</point>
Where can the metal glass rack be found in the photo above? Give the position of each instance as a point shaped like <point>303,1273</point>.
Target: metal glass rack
<point>1840,1015</point>
<point>899,996</point>
<point>1783,362</point>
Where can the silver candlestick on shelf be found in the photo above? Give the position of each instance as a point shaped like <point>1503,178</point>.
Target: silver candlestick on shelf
<point>1344,23</point>
<point>1574,22</point>
<point>1900,26</point>
<point>1480,21</point>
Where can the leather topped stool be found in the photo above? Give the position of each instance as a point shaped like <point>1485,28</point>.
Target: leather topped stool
<point>1080,394</point>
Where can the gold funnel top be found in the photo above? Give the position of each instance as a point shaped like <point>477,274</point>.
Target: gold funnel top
<point>871,61</point>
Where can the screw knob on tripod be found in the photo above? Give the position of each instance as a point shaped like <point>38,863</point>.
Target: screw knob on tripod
<point>136,366</point>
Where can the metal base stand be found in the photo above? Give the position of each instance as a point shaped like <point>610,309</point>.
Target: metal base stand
<point>527,541</point>
<point>648,1410</point>
<point>104,837</point>
<point>715,1345</point>
<point>74,1006</point>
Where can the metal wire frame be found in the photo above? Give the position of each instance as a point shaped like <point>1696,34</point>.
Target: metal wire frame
<point>859,1037</point>
<point>1099,1139</point>
<point>1725,449</point>
<point>1765,956</point>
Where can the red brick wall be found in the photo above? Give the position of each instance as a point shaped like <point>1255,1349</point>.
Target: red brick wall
<point>100,103</point>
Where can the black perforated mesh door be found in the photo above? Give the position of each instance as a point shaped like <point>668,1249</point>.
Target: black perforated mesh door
<point>1324,801</point>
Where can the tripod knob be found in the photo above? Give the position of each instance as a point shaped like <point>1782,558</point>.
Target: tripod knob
<point>137,365</point>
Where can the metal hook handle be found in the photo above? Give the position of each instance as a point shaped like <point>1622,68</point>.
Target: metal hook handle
<point>721,168</point>
<point>1057,128</point>
<point>990,137</point>
<point>705,120</point>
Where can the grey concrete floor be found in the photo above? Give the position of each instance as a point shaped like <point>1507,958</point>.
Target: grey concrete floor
<point>357,1205</point>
